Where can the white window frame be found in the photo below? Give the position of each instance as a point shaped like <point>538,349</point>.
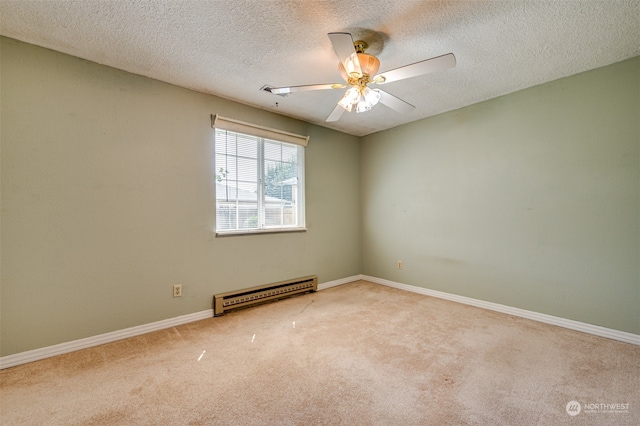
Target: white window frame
<point>261,134</point>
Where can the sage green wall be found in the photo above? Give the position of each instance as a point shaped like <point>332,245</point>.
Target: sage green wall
<point>107,201</point>
<point>530,200</point>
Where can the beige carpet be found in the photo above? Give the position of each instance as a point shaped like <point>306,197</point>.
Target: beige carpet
<point>358,354</point>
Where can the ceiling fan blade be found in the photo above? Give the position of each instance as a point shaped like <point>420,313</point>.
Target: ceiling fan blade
<point>291,89</point>
<point>343,46</point>
<point>394,103</point>
<point>335,114</point>
<point>438,63</point>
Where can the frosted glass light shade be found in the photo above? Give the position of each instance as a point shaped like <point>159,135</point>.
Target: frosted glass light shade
<point>368,65</point>
<point>371,96</point>
<point>368,100</point>
<point>351,97</point>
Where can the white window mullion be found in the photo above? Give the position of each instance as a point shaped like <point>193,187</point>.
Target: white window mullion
<point>300,193</point>
<point>237,187</point>
<point>261,184</point>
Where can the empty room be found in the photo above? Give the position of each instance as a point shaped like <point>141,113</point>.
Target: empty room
<point>283,212</point>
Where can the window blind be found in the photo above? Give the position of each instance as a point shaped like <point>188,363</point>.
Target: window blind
<point>255,130</point>
<point>259,183</point>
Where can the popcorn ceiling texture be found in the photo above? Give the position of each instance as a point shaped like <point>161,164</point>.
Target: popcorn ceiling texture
<point>232,48</point>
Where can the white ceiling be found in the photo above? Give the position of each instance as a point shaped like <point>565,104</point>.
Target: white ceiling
<point>232,48</point>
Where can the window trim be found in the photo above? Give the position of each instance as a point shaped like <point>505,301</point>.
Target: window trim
<point>244,232</point>
<point>260,132</point>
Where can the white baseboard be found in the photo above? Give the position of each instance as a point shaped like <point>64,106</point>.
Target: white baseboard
<point>101,339</point>
<point>596,330</point>
<point>341,281</point>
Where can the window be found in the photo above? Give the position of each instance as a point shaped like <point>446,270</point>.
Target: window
<point>259,182</point>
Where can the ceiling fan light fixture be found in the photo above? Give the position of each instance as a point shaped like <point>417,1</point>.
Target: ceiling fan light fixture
<point>359,69</point>
<point>369,99</point>
<point>351,97</point>
<point>345,105</point>
<point>369,65</point>
<point>371,96</point>
<point>362,107</point>
<point>360,98</point>
<point>351,68</point>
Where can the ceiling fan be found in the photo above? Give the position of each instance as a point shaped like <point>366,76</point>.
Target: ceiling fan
<point>359,69</point>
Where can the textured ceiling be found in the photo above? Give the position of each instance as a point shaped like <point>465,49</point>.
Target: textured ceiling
<point>232,48</point>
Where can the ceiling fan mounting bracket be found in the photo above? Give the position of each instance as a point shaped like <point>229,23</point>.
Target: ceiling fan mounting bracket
<point>360,46</point>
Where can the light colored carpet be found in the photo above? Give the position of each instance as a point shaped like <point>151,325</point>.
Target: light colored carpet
<point>357,354</point>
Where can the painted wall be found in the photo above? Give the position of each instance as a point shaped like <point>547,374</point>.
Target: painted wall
<point>107,202</point>
<point>530,200</point>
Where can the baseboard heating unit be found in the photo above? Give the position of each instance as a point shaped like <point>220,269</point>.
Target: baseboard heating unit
<point>225,302</point>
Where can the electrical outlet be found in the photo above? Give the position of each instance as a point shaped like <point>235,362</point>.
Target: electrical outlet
<point>177,290</point>
<point>399,264</point>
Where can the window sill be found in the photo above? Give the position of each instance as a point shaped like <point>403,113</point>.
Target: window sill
<point>258,232</point>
